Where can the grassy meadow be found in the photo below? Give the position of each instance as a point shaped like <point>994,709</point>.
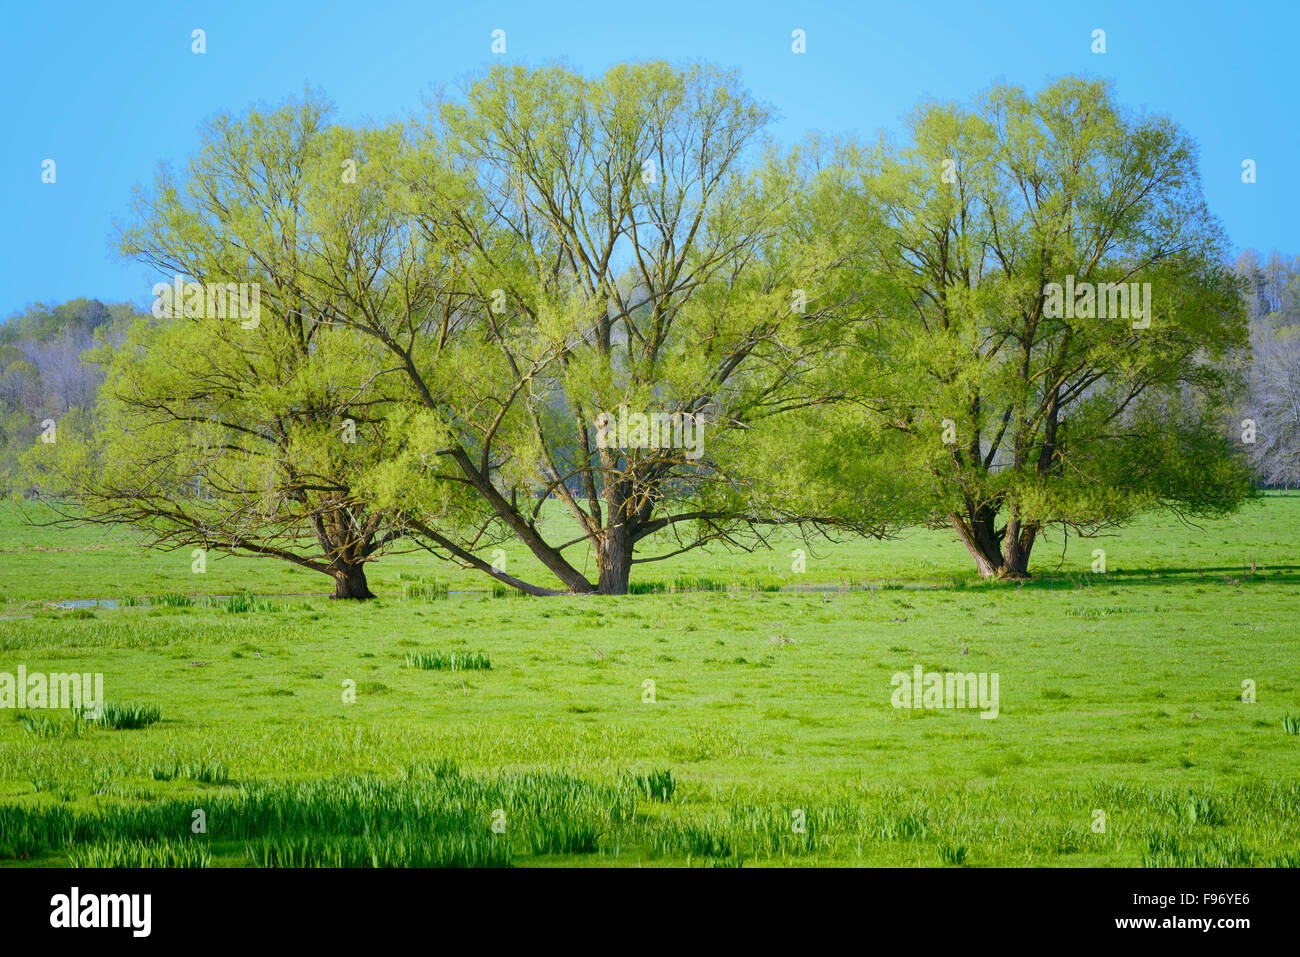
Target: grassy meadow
<point>736,714</point>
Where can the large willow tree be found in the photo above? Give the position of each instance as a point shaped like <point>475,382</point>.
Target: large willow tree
<point>1012,409</point>
<point>613,247</point>
<point>256,432</point>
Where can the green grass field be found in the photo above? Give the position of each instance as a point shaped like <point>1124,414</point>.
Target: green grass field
<point>493,730</point>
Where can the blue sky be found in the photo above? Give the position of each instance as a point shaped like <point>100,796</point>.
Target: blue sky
<point>108,90</point>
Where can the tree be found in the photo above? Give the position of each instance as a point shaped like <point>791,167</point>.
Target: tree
<point>1028,391</point>
<point>619,260</point>
<point>238,418</point>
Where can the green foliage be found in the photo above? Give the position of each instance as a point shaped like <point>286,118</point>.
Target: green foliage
<point>251,423</point>
<point>1013,417</point>
<point>140,853</point>
<point>953,855</point>
<point>129,717</point>
<point>402,849</point>
<point>245,604</point>
<point>43,726</point>
<point>427,591</point>
<point>202,772</point>
<point>698,583</point>
<point>43,378</point>
<point>657,785</point>
<point>448,661</point>
<point>1166,848</point>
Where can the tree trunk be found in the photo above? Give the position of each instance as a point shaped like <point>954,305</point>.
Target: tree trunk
<point>350,582</point>
<point>1005,558</point>
<point>977,534</point>
<point>615,560</point>
<point>1018,542</point>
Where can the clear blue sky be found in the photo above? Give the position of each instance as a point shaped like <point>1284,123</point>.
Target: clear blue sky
<point>108,90</point>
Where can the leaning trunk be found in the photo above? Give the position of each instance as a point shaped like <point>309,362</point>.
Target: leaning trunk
<point>977,534</point>
<point>350,582</point>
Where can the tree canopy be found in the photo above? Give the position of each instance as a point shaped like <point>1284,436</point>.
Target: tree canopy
<point>1016,409</point>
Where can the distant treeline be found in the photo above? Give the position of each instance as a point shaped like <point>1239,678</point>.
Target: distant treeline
<point>44,374</point>
<point>1272,404</point>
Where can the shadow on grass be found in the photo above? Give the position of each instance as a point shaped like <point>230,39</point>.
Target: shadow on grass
<point>1210,574</point>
